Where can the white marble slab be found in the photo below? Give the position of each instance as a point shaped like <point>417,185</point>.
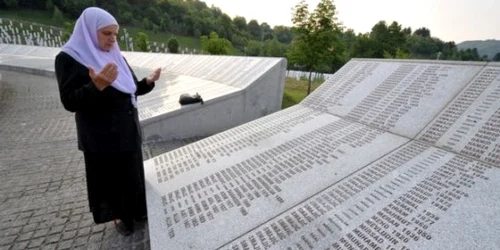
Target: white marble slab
<point>235,89</point>
<point>400,96</point>
<point>239,179</point>
<point>236,71</point>
<point>470,124</point>
<point>165,97</point>
<point>418,197</point>
<point>380,192</point>
<point>24,50</point>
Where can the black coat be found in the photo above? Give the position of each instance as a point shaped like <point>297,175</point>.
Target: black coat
<point>106,121</point>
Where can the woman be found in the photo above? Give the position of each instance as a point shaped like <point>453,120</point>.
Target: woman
<point>96,83</point>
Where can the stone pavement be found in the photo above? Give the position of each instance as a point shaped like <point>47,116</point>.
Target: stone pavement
<point>43,197</point>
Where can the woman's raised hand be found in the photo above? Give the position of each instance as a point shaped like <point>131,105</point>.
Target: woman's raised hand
<point>104,78</point>
<point>155,75</point>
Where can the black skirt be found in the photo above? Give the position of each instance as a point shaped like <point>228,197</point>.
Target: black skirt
<point>115,186</point>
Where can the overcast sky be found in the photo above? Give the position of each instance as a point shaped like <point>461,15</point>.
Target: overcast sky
<point>449,20</point>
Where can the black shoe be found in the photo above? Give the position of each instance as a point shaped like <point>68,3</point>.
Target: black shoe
<point>123,229</point>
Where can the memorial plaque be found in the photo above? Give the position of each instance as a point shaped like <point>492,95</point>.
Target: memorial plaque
<point>397,96</point>
<point>418,197</point>
<point>386,154</point>
<point>239,179</point>
<point>470,124</point>
<point>234,71</point>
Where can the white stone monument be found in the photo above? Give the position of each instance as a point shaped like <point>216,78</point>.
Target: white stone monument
<point>387,154</point>
<point>235,90</point>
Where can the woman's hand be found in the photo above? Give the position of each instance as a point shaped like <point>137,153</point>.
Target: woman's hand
<point>153,77</point>
<point>104,78</point>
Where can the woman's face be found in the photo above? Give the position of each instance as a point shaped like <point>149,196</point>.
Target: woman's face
<point>106,37</point>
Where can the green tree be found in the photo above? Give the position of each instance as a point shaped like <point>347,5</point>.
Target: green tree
<point>274,48</point>
<point>142,42</point>
<point>407,31</point>
<point>57,15</point>
<point>423,32</point>
<point>113,6</point>
<point>225,25</point>
<point>449,48</point>
<point>153,14</point>
<point>254,30</point>
<point>253,48</point>
<point>381,36</point>
<point>364,47</point>
<point>266,32</point>
<point>215,45</point>
<point>146,24</point>
<point>49,6</point>
<point>239,42</point>
<point>389,39</point>
<point>206,14</point>
<point>173,45</point>
<point>348,39</point>
<point>469,55</point>
<point>125,17</point>
<point>400,54</point>
<point>68,29</point>
<point>283,34</point>
<point>11,4</point>
<point>75,8</point>
<point>165,22</point>
<point>216,12</point>
<point>317,38</point>
<point>422,47</point>
<point>240,22</point>
<point>397,39</point>
<point>496,58</point>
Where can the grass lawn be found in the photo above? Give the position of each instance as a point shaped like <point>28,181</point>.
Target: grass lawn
<point>296,91</point>
<point>161,37</point>
<point>36,16</point>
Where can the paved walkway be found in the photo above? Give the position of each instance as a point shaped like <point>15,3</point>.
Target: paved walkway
<point>43,197</point>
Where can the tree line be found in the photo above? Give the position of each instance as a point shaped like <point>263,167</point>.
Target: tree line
<point>180,17</point>
<point>316,41</point>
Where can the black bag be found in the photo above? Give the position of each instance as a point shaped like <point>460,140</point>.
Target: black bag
<point>185,99</point>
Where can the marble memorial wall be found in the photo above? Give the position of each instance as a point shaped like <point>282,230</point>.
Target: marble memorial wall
<point>235,71</point>
<point>236,89</point>
<point>386,154</point>
<point>394,96</point>
<point>403,201</point>
<point>470,124</point>
<point>250,169</point>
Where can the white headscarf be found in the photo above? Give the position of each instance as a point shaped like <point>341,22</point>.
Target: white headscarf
<point>84,48</point>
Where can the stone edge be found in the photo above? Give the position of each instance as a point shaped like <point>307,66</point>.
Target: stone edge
<point>32,71</point>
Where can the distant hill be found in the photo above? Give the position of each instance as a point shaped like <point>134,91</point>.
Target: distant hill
<point>486,47</point>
